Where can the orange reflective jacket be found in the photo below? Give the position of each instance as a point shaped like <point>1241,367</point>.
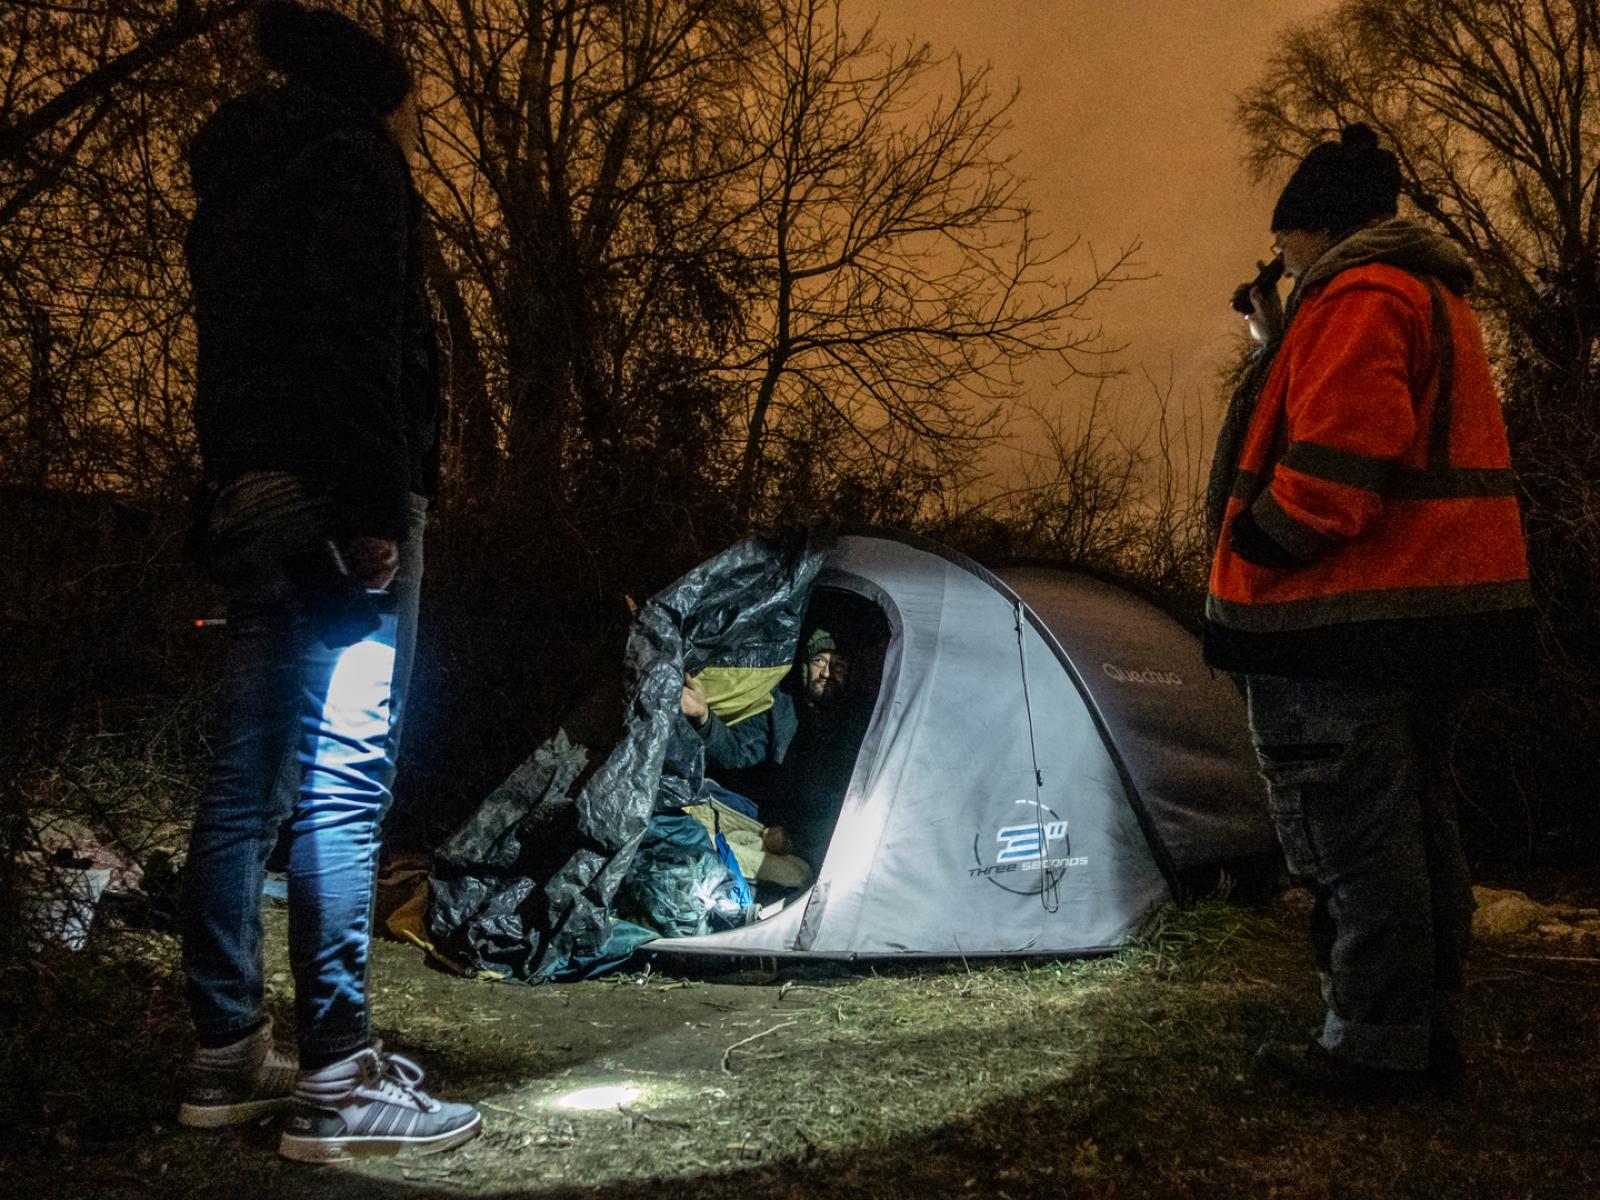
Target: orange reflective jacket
<point>1373,533</point>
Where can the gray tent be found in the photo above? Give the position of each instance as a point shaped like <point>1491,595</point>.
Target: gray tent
<point>1048,762</point>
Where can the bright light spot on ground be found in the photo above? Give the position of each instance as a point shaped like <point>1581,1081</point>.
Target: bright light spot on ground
<point>599,1097</point>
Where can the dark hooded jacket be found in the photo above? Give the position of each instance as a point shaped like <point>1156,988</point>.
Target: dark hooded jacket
<point>316,346</point>
<point>762,738</point>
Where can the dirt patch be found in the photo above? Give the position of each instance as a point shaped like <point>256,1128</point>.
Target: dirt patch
<point>1122,1076</point>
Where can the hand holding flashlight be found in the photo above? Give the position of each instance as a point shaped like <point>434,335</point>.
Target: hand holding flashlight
<point>1258,301</point>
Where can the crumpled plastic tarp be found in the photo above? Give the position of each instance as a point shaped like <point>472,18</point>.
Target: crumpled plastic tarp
<point>525,887</point>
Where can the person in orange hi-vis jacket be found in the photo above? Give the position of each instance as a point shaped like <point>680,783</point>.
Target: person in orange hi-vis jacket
<point>1370,564</point>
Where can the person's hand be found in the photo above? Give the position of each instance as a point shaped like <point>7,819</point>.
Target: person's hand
<point>775,840</point>
<point>1266,310</point>
<point>693,704</point>
<point>373,560</point>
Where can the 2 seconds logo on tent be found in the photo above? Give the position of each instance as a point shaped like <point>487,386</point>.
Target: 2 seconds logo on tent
<point>1025,856</point>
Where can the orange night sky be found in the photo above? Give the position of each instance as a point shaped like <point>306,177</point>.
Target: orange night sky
<point>1125,128</point>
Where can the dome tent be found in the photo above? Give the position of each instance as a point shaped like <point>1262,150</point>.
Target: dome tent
<point>1047,764</point>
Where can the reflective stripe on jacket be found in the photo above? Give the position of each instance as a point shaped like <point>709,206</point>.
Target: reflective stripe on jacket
<point>1373,532</point>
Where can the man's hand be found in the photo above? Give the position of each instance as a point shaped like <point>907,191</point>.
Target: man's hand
<point>373,561</point>
<point>1266,316</point>
<point>775,840</point>
<point>693,705</point>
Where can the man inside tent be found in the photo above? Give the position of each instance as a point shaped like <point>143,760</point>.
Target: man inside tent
<point>786,750</point>
<point>805,694</point>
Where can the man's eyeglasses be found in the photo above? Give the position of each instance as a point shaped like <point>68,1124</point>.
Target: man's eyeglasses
<point>838,668</point>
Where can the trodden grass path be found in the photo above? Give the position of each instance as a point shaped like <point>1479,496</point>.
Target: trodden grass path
<point>1122,1076</point>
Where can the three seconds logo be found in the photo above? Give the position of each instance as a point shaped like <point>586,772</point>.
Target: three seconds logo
<point>1025,857</point>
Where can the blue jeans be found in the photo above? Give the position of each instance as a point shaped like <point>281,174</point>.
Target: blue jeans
<point>1354,778</point>
<point>339,712</point>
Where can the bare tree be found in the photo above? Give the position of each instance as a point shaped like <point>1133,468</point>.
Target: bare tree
<point>719,249</point>
<point>902,278</point>
<point>63,69</point>
<point>665,213</point>
<point>96,102</point>
<point>1492,108</point>
<point>1122,498</point>
<point>573,170</point>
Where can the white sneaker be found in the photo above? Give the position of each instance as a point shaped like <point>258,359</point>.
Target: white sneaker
<point>367,1105</point>
<point>235,1084</point>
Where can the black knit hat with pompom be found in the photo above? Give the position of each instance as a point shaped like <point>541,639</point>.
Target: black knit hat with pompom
<point>329,53</point>
<point>1340,185</point>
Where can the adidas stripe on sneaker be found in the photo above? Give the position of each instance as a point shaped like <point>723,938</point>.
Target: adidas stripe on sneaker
<point>371,1104</point>
<point>235,1084</point>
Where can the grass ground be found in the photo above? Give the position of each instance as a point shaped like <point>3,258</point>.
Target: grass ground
<point>1122,1076</point>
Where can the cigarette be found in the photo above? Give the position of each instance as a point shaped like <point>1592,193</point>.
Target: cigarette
<point>208,622</point>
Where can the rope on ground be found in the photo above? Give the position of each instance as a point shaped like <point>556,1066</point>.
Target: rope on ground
<point>726,1054</point>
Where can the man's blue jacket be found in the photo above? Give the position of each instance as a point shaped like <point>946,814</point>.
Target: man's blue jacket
<point>762,738</point>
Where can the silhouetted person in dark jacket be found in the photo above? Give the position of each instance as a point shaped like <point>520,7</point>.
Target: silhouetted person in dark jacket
<point>317,424</point>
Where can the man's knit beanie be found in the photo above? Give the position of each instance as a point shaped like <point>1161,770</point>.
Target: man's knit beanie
<point>329,53</point>
<point>820,642</point>
<point>1340,186</point>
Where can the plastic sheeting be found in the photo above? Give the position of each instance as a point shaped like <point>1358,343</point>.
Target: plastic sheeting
<point>526,885</point>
